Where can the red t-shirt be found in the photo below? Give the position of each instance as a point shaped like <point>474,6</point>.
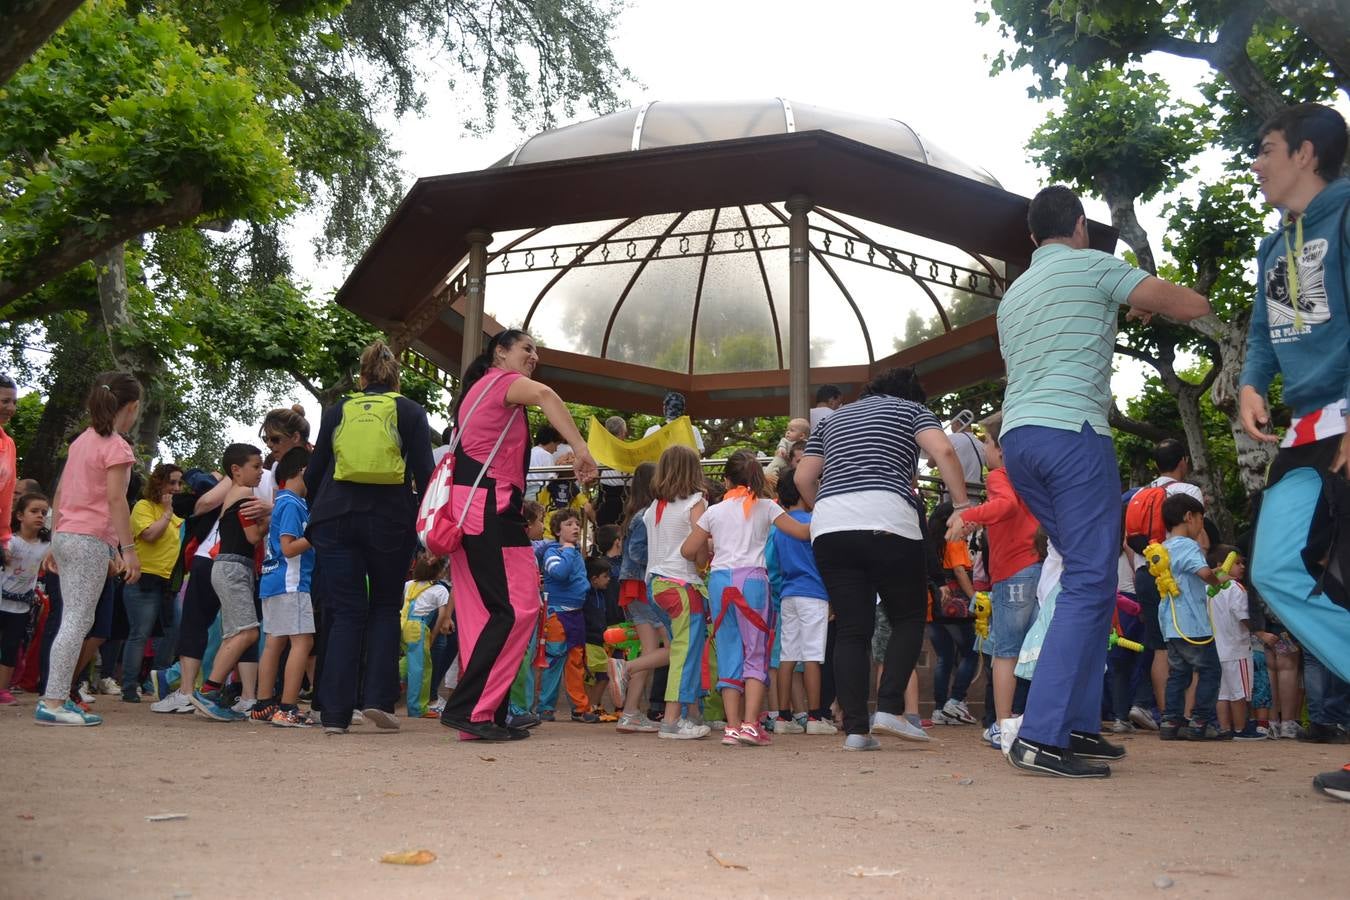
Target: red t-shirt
<point>1011,526</point>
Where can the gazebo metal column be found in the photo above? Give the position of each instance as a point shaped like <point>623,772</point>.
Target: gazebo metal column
<point>473,301</point>
<point>799,308</point>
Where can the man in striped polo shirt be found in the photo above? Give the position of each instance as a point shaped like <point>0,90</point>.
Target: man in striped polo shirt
<point>1057,327</point>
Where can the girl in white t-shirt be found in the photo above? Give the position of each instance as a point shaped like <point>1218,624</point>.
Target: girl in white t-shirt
<point>24,555</point>
<point>738,585</point>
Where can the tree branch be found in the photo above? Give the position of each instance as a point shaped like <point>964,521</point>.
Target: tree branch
<point>1118,420</point>
<point>74,246</point>
<point>1323,21</point>
<point>24,32</point>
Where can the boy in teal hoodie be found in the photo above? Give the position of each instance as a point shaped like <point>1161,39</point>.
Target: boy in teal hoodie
<point>1300,329</point>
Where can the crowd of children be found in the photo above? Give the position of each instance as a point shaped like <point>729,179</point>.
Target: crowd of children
<point>700,609</point>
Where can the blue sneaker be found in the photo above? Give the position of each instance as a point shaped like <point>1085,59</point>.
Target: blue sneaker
<point>213,707</point>
<point>1249,733</point>
<point>67,714</point>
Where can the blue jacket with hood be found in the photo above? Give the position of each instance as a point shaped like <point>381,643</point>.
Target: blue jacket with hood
<point>1310,346</point>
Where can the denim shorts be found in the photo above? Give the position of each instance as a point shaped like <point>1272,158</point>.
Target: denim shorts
<point>644,612</point>
<point>1015,609</point>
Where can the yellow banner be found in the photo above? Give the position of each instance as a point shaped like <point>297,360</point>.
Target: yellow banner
<point>625,456</point>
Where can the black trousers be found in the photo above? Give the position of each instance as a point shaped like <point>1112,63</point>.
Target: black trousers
<point>857,567</point>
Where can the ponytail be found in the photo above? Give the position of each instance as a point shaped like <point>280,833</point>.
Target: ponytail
<point>379,365</point>
<point>742,469</point>
<point>111,392</point>
<point>506,339</point>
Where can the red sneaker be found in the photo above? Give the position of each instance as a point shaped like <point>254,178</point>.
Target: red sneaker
<point>750,735</point>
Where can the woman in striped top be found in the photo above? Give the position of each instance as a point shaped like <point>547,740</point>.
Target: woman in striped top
<point>858,473</point>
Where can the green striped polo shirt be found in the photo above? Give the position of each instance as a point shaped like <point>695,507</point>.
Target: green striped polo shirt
<point>1057,328</point>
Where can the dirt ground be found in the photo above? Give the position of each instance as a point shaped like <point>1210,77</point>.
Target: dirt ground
<point>578,810</point>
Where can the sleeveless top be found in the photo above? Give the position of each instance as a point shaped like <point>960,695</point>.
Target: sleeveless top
<point>233,540</point>
<point>665,537</point>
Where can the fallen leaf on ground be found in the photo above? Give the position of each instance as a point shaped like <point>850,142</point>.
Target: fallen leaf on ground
<point>27,817</point>
<point>727,864</point>
<point>875,873</point>
<point>488,758</point>
<point>409,858</point>
<point>166,817</point>
<point>965,781</point>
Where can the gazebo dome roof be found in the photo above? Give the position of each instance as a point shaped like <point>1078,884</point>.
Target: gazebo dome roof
<point>662,123</point>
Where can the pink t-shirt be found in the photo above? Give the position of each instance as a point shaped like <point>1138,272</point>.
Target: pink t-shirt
<point>485,425</point>
<point>9,472</point>
<point>84,484</point>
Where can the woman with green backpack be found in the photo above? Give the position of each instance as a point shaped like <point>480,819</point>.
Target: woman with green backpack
<point>371,459</point>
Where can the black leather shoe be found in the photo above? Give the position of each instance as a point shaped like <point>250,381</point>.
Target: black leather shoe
<point>1042,759</point>
<point>517,734</point>
<point>1093,746</point>
<point>484,731</point>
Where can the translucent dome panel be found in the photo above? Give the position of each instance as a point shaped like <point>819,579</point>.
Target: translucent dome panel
<point>888,134</point>
<point>608,134</point>
<point>573,314</point>
<point>735,329</point>
<point>672,124</point>
<point>652,326</point>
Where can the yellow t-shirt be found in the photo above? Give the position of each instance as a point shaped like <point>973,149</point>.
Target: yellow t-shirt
<point>157,557</point>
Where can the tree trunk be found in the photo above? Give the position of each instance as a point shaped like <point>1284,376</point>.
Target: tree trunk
<point>1325,24</point>
<point>78,354</point>
<point>1126,222</point>
<point>1253,457</point>
<point>114,301</point>
<point>27,28</point>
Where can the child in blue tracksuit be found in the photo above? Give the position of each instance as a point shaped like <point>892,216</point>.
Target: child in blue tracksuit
<point>803,613</point>
<point>566,586</point>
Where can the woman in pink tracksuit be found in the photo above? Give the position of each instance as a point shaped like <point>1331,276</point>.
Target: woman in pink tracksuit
<point>494,572</point>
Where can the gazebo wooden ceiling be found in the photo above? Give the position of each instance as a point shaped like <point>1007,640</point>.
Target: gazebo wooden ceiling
<point>404,282</point>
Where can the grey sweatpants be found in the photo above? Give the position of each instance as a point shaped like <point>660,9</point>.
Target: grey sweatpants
<point>83,562</point>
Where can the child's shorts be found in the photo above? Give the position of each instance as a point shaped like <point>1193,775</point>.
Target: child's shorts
<point>232,578</point>
<point>288,614</point>
<point>597,660</point>
<point>803,624</point>
<point>645,612</point>
<point>1015,608</point>
<point>1235,679</point>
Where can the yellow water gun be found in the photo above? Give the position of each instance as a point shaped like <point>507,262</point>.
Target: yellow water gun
<point>1160,567</point>
<point>984,607</point>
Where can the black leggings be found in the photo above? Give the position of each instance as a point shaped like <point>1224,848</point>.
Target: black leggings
<point>13,630</point>
<point>857,567</point>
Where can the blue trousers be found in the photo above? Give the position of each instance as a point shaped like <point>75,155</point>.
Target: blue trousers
<point>1070,482</point>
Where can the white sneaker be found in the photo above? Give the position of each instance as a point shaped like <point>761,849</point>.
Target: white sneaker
<point>957,709</point>
<point>87,695</point>
<point>940,717</point>
<point>385,720</point>
<point>357,718</point>
<point>107,685</point>
<point>990,736</point>
<point>683,730</point>
<point>176,702</point>
<point>1007,732</point>
<point>897,726</point>
<point>787,726</point>
<point>820,726</point>
<point>1289,729</point>
<point>242,706</point>
<point>438,707</point>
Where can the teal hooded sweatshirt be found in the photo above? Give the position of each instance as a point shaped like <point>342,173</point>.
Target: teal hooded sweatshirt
<point>1310,346</point>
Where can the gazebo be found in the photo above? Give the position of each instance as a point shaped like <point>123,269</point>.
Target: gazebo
<point>738,252</point>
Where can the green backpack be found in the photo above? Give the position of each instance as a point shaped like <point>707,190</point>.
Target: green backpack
<point>366,444</point>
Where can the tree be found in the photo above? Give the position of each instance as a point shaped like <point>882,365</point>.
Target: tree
<point>173,140</point>
<point>1122,137</point>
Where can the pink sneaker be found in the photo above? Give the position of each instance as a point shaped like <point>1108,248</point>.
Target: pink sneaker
<point>7,699</point>
<point>730,737</point>
<point>750,735</point>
